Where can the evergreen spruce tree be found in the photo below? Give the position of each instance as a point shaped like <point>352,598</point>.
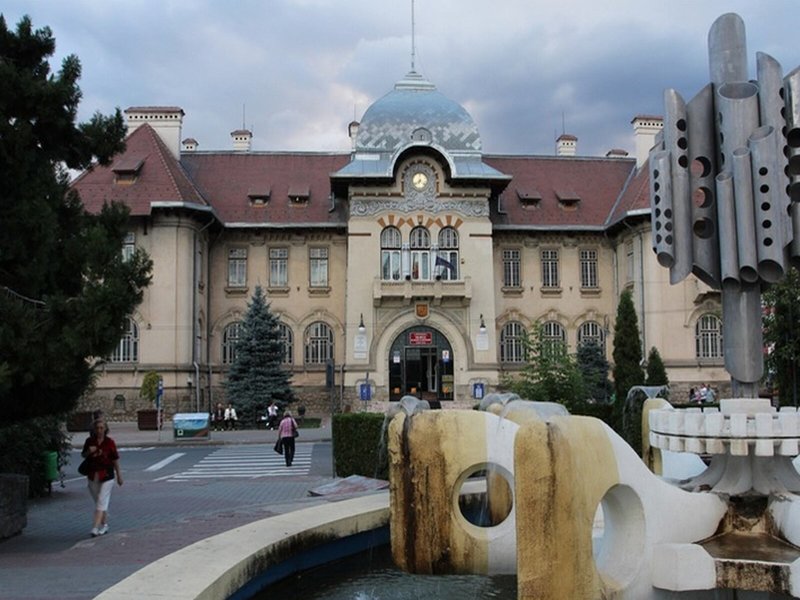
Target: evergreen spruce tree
<point>257,376</point>
<point>656,372</point>
<point>627,370</point>
<point>594,369</point>
<point>65,290</point>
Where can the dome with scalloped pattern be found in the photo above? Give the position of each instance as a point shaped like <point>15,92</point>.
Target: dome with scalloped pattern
<point>415,112</point>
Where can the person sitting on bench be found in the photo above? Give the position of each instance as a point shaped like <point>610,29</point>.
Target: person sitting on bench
<point>230,417</point>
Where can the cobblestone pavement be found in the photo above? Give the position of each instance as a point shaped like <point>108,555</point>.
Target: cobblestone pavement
<point>54,558</point>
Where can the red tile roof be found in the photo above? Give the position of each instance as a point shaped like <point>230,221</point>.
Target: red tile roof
<point>160,177</point>
<point>596,182</point>
<point>227,179</point>
<point>260,188</point>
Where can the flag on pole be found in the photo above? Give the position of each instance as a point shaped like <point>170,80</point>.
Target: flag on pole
<point>443,262</point>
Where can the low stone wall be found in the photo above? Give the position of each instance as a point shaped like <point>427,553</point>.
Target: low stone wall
<point>13,504</point>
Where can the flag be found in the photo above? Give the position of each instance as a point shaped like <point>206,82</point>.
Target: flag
<point>443,262</point>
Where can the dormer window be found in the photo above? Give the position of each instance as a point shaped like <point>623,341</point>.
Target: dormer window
<point>258,197</point>
<point>567,198</point>
<point>529,197</point>
<point>299,193</point>
<point>126,169</point>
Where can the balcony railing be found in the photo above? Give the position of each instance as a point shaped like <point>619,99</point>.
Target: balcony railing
<point>409,290</point>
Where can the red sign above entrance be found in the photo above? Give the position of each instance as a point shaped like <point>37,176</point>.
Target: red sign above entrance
<point>420,338</point>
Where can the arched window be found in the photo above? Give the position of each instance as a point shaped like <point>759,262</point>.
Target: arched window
<point>391,241</point>
<point>285,333</point>
<point>420,241</point>
<point>318,344</point>
<point>554,337</point>
<point>447,259</point>
<point>512,346</point>
<point>708,337</point>
<point>230,337</point>
<point>127,351</point>
<point>591,331</point>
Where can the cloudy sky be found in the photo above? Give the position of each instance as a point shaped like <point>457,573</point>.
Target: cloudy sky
<point>296,72</point>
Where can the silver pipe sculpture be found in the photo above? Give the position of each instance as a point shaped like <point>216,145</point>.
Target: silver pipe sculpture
<point>722,173</point>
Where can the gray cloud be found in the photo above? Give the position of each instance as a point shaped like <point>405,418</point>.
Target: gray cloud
<point>303,68</point>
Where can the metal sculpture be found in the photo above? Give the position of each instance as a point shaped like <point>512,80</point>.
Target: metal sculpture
<point>724,190</point>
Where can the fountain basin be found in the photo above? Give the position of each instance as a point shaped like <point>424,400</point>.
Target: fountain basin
<point>240,562</point>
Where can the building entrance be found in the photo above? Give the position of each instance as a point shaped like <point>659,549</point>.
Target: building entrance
<point>421,365</point>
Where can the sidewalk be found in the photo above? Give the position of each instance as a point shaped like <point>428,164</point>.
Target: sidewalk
<point>126,434</point>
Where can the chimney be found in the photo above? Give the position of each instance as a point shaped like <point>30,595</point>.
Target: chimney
<point>352,131</point>
<point>645,129</point>
<point>566,145</point>
<point>189,145</point>
<point>241,140</point>
<point>165,120</point>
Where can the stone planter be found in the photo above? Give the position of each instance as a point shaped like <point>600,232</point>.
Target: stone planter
<point>147,419</point>
<point>13,504</point>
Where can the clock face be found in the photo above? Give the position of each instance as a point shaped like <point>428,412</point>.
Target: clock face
<point>419,180</point>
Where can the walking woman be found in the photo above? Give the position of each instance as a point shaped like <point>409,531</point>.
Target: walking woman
<point>102,466</point>
<point>287,431</point>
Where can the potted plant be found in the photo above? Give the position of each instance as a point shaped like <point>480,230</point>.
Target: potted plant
<point>148,417</point>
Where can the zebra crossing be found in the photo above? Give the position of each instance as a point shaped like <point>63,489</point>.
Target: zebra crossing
<point>246,462</point>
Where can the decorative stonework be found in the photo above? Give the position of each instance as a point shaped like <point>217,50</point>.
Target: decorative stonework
<point>419,202</point>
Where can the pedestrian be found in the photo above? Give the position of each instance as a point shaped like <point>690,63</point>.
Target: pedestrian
<point>272,416</point>
<point>692,396</point>
<point>230,417</point>
<point>703,394</point>
<point>218,417</point>
<point>287,431</point>
<point>102,467</point>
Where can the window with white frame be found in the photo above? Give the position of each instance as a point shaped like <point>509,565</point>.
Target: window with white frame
<point>420,241</point>
<point>549,268</point>
<point>708,337</point>
<point>127,351</point>
<point>287,339</point>
<point>554,337</point>
<point>591,332</point>
<point>278,267</point>
<point>318,267</point>
<point>629,260</point>
<point>447,258</point>
<point>230,337</point>
<point>588,260</point>
<point>511,268</point>
<point>237,267</point>
<point>512,343</point>
<point>391,243</point>
<point>128,246</point>
<point>318,344</point>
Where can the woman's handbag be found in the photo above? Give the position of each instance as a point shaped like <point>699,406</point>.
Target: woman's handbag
<point>295,433</point>
<point>83,468</point>
<point>279,446</point>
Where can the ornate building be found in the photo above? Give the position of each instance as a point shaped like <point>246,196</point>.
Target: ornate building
<point>414,263</point>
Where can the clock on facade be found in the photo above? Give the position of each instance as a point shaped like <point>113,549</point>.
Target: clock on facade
<point>419,180</point>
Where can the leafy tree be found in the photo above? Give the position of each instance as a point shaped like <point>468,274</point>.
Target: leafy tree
<point>551,374</point>
<point>656,372</point>
<point>781,329</point>
<point>257,376</point>
<point>594,369</point>
<point>65,290</point>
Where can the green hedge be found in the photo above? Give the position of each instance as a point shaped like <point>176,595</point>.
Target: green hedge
<point>24,444</point>
<point>359,446</point>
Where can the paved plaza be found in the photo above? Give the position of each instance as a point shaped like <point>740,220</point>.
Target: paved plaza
<point>155,513</point>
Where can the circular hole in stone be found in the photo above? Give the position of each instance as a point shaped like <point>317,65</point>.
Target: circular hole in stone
<point>485,497</point>
<point>682,143</point>
<point>618,536</point>
<point>701,166</point>
<point>703,228</point>
<point>763,171</point>
<point>656,186</point>
<point>683,161</point>
<point>764,189</point>
<point>793,137</point>
<point>681,124</point>
<point>794,165</point>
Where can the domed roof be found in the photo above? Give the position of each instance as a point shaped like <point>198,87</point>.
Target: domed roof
<point>414,111</point>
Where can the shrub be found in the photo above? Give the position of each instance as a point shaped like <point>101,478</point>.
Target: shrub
<point>24,444</point>
<point>359,445</point>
